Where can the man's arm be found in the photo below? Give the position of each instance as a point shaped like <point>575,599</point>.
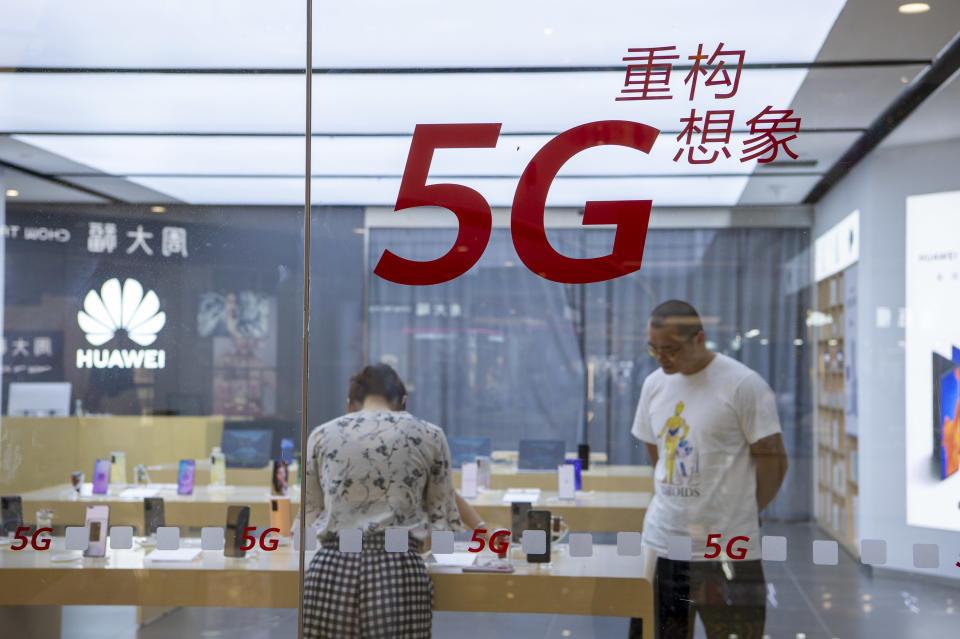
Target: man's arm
<point>771,460</point>
<point>652,453</point>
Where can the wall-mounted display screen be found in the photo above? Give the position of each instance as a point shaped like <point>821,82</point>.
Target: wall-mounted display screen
<point>933,360</point>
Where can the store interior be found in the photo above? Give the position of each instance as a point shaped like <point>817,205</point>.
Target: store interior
<point>156,247</point>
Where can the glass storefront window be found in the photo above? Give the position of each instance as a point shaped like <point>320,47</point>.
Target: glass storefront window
<point>410,319</point>
<point>153,322</point>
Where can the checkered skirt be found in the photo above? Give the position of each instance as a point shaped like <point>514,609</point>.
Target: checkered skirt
<point>371,595</point>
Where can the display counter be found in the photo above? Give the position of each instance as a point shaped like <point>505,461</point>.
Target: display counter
<point>588,512</point>
<point>43,451</point>
<point>605,584</point>
<point>207,506</point>
<point>600,478</point>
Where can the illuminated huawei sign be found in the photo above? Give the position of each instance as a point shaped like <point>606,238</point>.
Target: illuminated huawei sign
<point>126,309</point>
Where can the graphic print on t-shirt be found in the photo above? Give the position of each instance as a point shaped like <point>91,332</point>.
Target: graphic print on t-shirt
<point>680,455</point>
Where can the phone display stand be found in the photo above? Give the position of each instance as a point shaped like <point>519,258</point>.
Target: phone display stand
<point>66,556</point>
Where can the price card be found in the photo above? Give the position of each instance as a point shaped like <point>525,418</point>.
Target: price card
<point>468,480</point>
<point>566,482</point>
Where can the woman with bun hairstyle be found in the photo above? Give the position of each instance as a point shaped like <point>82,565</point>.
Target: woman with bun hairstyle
<point>377,467</point>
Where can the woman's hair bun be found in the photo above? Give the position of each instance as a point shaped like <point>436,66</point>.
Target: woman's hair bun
<point>377,379</point>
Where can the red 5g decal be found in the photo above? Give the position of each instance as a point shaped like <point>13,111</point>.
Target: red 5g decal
<point>527,224</point>
<point>38,543</point>
<point>499,541</point>
<point>471,209</point>
<point>630,216</point>
<point>266,542</point>
<point>732,551</point>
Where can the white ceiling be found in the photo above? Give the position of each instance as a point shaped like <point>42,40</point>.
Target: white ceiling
<point>204,137</point>
<point>386,33</point>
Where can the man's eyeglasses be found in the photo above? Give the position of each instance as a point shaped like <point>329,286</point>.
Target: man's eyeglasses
<point>668,352</point>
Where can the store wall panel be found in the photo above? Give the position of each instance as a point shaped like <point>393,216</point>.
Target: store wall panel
<point>879,188</point>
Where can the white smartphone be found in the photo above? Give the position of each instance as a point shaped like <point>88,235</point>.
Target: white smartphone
<point>96,521</point>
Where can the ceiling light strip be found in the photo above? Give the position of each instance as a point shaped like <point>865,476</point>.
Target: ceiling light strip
<point>353,134</point>
<point>816,64</point>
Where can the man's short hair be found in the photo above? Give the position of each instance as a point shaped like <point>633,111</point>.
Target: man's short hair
<point>679,314</point>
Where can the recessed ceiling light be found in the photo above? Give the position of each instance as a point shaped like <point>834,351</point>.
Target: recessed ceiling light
<point>158,209</point>
<point>12,193</point>
<point>914,7</point>
<point>548,31</point>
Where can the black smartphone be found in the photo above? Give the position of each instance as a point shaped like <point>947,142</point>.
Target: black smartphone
<point>11,514</point>
<point>518,519</point>
<point>238,518</point>
<point>539,520</point>
<point>153,515</point>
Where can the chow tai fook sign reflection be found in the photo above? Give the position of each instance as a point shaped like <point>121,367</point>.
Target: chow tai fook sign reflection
<point>118,313</point>
<point>703,139</point>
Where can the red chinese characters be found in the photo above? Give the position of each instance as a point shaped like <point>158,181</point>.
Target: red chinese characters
<point>718,74</point>
<point>764,146</point>
<point>704,138</point>
<point>717,126</point>
<point>649,74</point>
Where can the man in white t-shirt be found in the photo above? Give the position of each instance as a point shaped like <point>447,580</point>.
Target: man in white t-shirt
<point>711,429</point>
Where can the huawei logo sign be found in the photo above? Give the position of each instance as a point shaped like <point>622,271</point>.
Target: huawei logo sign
<point>128,309</point>
<point>118,308</point>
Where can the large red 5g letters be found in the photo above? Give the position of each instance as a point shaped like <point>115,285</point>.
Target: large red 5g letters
<point>527,224</point>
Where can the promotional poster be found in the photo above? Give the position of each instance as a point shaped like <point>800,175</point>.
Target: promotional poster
<point>933,360</point>
<point>243,328</point>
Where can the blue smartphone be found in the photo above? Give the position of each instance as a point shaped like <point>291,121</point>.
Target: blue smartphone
<point>185,477</point>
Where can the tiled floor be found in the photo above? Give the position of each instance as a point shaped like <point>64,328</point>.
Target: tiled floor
<point>821,602</point>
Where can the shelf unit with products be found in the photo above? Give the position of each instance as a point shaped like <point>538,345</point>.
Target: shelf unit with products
<point>835,454</point>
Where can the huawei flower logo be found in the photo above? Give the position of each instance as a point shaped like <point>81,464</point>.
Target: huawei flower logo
<point>127,309</point>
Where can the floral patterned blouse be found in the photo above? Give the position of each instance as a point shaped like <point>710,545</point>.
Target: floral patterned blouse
<point>374,470</point>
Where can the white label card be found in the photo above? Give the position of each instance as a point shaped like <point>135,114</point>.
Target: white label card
<point>566,481</point>
<point>468,480</point>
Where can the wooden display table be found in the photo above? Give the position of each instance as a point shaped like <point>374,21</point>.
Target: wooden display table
<point>34,585</point>
<point>589,512</point>
<point>205,507</point>
<point>599,478</point>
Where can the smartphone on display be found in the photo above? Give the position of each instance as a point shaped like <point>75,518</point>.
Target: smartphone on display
<point>518,519</point>
<point>238,518</point>
<point>96,520</point>
<point>286,450</point>
<point>101,476</point>
<point>118,468</point>
<point>279,483</point>
<point>185,477</point>
<point>153,516</point>
<point>280,515</point>
<point>539,520</point>
<point>11,514</point>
